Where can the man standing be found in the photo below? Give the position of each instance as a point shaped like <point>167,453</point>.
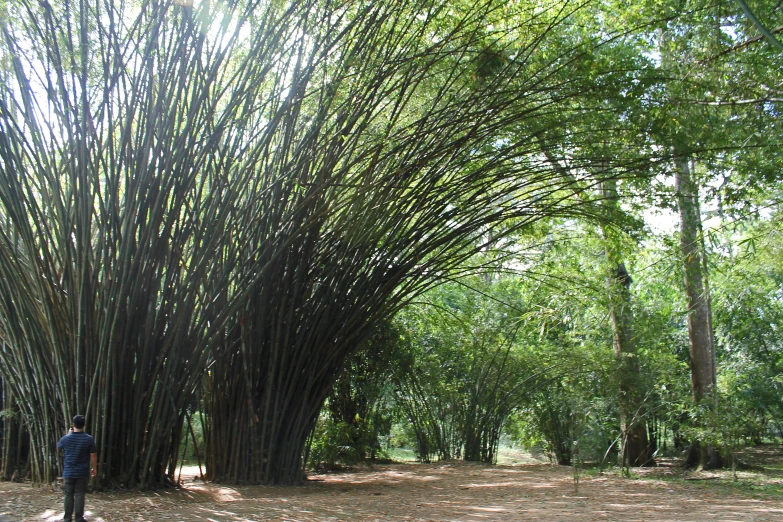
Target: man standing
<point>81,456</point>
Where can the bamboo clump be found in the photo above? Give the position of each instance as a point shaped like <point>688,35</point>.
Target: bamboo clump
<point>208,209</point>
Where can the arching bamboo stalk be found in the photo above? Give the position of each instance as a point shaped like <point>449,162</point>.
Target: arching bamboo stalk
<point>226,202</point>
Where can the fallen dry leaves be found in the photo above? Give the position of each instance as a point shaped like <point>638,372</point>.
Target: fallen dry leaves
<point>419,492</point>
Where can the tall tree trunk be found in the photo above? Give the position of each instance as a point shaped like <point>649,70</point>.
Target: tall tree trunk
<point>700,333</point>
<point>635,447</point>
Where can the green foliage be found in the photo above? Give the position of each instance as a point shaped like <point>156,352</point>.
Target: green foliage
<point>574,411</point>
<point>748,320</point>
<point>8,413</point>
<point>463,374</point>
<point>359,412</point>
<point>193,450</point>
<point>725,423</point>
<point>336,444</point>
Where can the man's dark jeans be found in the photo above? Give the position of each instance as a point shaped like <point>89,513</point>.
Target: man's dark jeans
<point>75,489</point>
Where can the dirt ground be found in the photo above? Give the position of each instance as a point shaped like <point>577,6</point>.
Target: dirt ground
<point>443,491</point>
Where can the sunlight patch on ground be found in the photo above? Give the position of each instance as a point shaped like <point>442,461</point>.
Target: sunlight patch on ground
<point>219,494</point>
<point>495,485</point>
<point>490,509</point>
<point>624,506</point>
<point>51,515</point>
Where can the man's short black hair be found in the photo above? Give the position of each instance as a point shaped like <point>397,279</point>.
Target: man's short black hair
<point>78,422</point>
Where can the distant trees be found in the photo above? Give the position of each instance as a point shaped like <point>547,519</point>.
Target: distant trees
<point>702,125</point>
<point>359,411</point>
<point>463,373</point>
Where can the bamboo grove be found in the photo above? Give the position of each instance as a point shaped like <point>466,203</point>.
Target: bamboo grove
<point>206,207</point>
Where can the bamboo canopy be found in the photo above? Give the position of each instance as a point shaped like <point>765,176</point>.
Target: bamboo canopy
<point>206,207</point>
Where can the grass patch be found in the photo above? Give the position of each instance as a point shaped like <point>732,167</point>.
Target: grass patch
<point>761,480</point>
<point>402,454</point>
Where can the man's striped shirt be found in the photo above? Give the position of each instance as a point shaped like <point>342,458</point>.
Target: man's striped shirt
<point>78,446</point>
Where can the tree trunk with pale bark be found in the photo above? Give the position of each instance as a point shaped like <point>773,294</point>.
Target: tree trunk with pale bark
<point>635,447</point>
<point>700,332</point>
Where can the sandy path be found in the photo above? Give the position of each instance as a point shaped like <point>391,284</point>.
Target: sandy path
<point>456,491</point>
